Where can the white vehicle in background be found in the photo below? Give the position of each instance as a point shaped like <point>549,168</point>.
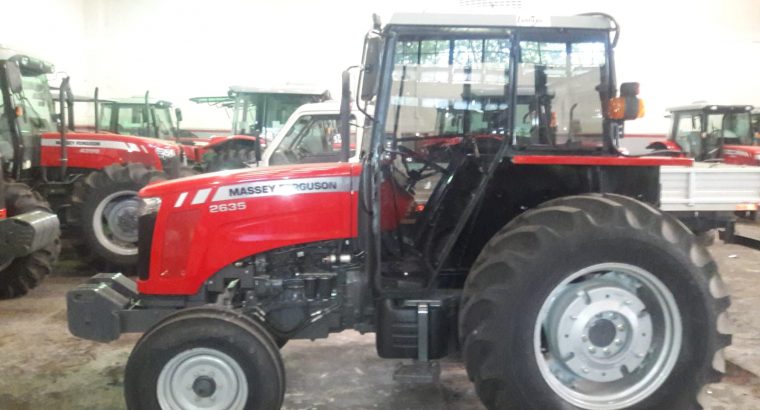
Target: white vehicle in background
<point>311,136</point>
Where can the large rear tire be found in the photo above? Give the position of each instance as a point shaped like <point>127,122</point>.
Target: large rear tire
<point>19,275</point>
<point>591,302</point>
<point>205,356</point>
<point>106,205</point>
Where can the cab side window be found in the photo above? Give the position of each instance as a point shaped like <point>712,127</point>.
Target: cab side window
<point>688,130</point>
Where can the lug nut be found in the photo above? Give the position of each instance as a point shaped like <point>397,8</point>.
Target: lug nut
<point>592,349</point>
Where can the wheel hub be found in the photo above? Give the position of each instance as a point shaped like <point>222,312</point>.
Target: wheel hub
<point>202,378</point>
<point>122,219</point>
<point>602,330</point>
<point>204,386</point>
<point>607,336</point>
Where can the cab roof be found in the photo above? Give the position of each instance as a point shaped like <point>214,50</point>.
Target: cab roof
<point>701,106</point>
<point>598,22</point>
<point>25,61</point>
<point>298,89</point>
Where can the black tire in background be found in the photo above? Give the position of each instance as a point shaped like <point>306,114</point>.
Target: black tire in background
<point>175,348</point>
<point>115,185</point>
<point>20,275</point>
<point>230,158</point>
<point>506,337</point>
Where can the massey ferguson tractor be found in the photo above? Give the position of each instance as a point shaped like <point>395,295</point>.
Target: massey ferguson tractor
<point>89,179</point>
<point>713,133</point>
<point>542,258</point>
<point>30,239</point>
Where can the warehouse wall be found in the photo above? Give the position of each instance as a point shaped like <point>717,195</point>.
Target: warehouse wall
<point>680,52</point>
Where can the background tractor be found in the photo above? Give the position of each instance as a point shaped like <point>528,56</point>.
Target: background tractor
<point>89,179</point>
<point>713,133</point>
<point>539,255</point>
<point>258,113</point>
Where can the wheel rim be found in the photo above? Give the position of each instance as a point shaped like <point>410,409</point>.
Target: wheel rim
<point>115,222</point>
<point>202,378</point>
<point>608,336</point>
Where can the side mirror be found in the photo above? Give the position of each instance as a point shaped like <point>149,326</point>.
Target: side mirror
<point>178,114</point>
<point>371,68</point>
<point>13,77</point>
<point>628,106</point>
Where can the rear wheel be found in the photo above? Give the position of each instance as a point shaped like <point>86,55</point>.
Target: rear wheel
<point>595,301</point>
<point>205,358</point>
<point>19,275</point>
<point>106,205</point>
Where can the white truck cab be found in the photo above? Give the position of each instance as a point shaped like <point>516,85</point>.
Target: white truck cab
<point>311,136</point>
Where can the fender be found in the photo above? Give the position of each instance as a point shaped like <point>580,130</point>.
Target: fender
<point>97,151</point>
<point>210,221</point>
<point>664,145</point>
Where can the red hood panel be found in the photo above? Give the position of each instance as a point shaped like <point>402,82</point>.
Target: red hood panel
<point>223,178</point>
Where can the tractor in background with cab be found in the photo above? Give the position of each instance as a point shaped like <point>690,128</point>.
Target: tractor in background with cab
<point>89,179</point>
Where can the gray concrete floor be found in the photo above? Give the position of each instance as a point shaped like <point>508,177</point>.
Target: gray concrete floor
<point>43,367</point>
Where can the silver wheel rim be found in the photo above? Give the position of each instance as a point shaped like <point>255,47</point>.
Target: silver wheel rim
<point>202,378</point>
<point>608,336</point>
<point>115,222</point>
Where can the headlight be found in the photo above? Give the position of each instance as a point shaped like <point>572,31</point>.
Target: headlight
<point>150,206</point>
<point>757,157</point>
<point>166,153</point>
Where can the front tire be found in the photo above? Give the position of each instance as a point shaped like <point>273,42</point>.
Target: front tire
<point>202,357</point>
<point>591,302</point>
<point>106,206</point>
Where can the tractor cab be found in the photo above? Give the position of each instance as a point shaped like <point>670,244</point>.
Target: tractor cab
<point>26,108</point>
<point>458,111</point>
<point>713,133</point>
<point>139,116</point>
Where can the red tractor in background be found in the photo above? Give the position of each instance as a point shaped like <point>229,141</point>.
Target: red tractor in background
<point>543,260</point>
<point>90,179</point>
<point>713,133</point>
<point>258,113</point>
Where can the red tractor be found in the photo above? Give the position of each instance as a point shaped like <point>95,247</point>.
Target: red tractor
<point>90,179</point>
<point>724,133</point>
<point>543,260</point>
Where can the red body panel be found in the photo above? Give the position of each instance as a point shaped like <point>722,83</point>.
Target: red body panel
<point>741,154</point>
<point>192,242</point>
<point>97,151</point>
<point>602,161</point>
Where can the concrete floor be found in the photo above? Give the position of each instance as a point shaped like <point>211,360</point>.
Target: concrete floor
<point>43,366</point>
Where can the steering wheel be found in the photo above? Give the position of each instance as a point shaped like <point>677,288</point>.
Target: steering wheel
<point>408,153</point>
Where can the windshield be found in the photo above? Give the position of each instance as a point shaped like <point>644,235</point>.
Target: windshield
<point>163,118</point>
<point>735,128</point>
<point>448,90</point>
<point>265,114</point>
<point>37,103</point>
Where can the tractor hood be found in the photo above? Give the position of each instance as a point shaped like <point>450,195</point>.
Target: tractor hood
<point>245,179</point>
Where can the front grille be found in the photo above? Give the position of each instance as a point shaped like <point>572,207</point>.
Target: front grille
<point>145,227</point>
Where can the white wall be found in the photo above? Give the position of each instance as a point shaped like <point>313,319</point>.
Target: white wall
<point>680,51</point>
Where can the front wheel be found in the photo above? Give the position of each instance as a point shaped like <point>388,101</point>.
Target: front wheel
<point>205,358</point>
<point>593,302</point>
